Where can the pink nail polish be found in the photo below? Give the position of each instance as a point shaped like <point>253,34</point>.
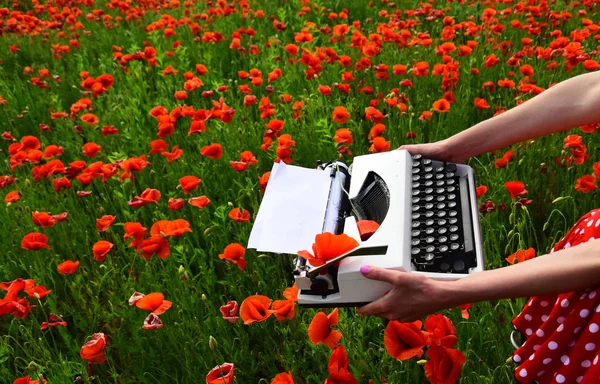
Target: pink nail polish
<point>364,270</point>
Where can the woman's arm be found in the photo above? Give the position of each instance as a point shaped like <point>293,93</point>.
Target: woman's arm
<point>571,103</point>
<point>414,296</point>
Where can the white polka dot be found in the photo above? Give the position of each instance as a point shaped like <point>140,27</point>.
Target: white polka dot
<point>597,223</point>
<point>544,303</point>
<point>523,373</point>
<point>584,313</point>
<point>589,224</point>
<point>565,359</point>
<point>528,331</point>
<point>532,356</point>
<point>547,361</point>
<point>595,360</point>
<point>560,328</point>
<point>582,231</point>
<point>560,379</point>
<point>590,346</point>
<point>579,379</point>
<point>528,317</point>
<point>577,231</point>
<point>544,318</point>
<point>583,296</point>
<point>517,358</point>
<point>572,343</point>
<point>577,330</point>
<point>560,320</point>
<point>539,332</point>
<point>564,303</point>
<point>536,347</point>
<point>594,327</point>
<point>552,345</point>
<point>568,245</point>
<point>597,308</point>
<point>591,238</point>
<point>540,373</point>
<point>592,294</point>
<point>586,363</point>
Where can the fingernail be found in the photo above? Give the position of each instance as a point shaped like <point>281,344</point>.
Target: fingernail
<point>364,270</point>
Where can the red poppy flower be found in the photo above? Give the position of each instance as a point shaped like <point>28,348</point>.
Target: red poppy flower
<point>340,115</point>
<point>283,378</point>
<point>328,246</point>
<point>213,151</point>
<point>135,230</point>
<point>283,309</point>
<point>175,204</point>
<point>444,365</point>
<point>380,144</point>
<point>189,183</point>
<point>90,118</point>
<point>255,309</point>
<point>199,202</point>
<point>158,146</point>
<point>366,228</point>
<point>53,321</point>
<point>338,368</point>
<point>441,105</point>
<point>404,340</point>
<point>103,223</point>
<point>239,215</point>
<point>154,302</point>
<point>91,149</point>
<point>481,103</point>
<point>515,188</point>
<point>521,256</point>
<point>34,241</point>
<point>230,311</point>
<point>148,196</point>
<point>320,331</point>
<point>235,254</point>
<point>586,184</point>
<point>93,351</point>
<point>291,293</point>
<point>221,374</point>
<point>481,190</point>
<point>343,135</point>
<point>264,180</point>
<point>100,249</point>
<point>68,267</point>
<point>12,197</point>
<point>440,331</point>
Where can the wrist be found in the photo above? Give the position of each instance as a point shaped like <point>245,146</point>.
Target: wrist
<point>453,150</point>
<point>450,294</point>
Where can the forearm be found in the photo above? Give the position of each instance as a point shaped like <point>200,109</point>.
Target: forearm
<point>571,103</point>
<point>567,270</point>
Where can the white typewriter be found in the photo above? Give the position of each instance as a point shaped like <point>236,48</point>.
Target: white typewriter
<point>427,213</point>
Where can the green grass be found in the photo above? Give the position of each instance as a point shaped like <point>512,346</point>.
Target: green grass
<point>95,298</point>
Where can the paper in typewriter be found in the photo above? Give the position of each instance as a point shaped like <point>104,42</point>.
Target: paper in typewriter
<point>292,210</point>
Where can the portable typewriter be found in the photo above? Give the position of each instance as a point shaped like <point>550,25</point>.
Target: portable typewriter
<point>427,213</point>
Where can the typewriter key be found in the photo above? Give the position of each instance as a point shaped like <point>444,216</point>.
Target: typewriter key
<point>429,239</point>
<point>443,248</point>
<point>451,204</point>
<point>428,169</point>
<point>443,239</point>
<point>426,161</point>
<point>439,176</point>
<point>428,191</point>
<point>416,233</point>
<point>415,242</point>
<point>416,163</point>
<point>442,222</point>
<point>442,230</point>
<point>444,267</point>
<point>450,181</point>
<point>454,246</point>
<point>441,213</point>
<point>415,216</point>
<point>417,157</point>
<point>449,174</point>
<point>415,192</point>
<point>453,228</point>
<point>429,249</point>
<point>428,198</point>
<point>415,251</point>
<point>452,196</point>
<point>416,177</point>
<point>439,190</point>
<point>416,170</point>
<point>428,183</point>
<point>415,200</point>
<point>428,176</point>
<point>451,167</point>
<point>459,265</point>
<point>439,169</point>
<point>429,223</point>
<point>441,198</point>
<point>453,220</point>
<point>429,205</point>
<point>429,256</point>
<point>442,206</point>
<point>416,208</point>
<point>429,214</point>
<point>430,231</point>
<point>439,183</point>
<point>416,185</point>
<point>453,213</point>
<point>451,189</point>
<point>415,224</point>
<point>453,237</point>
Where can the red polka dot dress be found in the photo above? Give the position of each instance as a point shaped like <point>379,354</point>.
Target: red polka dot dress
<point>562,338</point>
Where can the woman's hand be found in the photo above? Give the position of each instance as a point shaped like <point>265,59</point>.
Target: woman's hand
<point>440,150</point>
<point>412,297</point>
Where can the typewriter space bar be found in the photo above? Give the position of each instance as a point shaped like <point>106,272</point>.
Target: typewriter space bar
<point>465,204</point>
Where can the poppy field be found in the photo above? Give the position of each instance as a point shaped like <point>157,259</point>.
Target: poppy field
<point>136,143</point>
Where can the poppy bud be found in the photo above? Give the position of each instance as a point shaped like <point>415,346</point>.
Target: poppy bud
<point>229,204</point>
<point>204,298</point>
<point>511,233</point>
<point>262,256</point>
<point>207,231</point>
<point>212,343</point>
<point>101,210</point>
<point>36,295</point>
<point>422,362</point>
<point>181,270</point>
<point>509,360</point>
<point>32,367</point>
<point>558,199</point>
<point>511,218</point>
<point>546,224</point>
<point>27,182</point>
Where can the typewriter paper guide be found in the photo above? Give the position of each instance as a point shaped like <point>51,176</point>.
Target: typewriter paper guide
<point>292,211</point>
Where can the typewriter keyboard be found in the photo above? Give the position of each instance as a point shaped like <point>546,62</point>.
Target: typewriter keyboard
<point>442,228</point>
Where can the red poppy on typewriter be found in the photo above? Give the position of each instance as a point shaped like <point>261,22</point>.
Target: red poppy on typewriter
<point>328,246</point>
<point>366,228</point>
